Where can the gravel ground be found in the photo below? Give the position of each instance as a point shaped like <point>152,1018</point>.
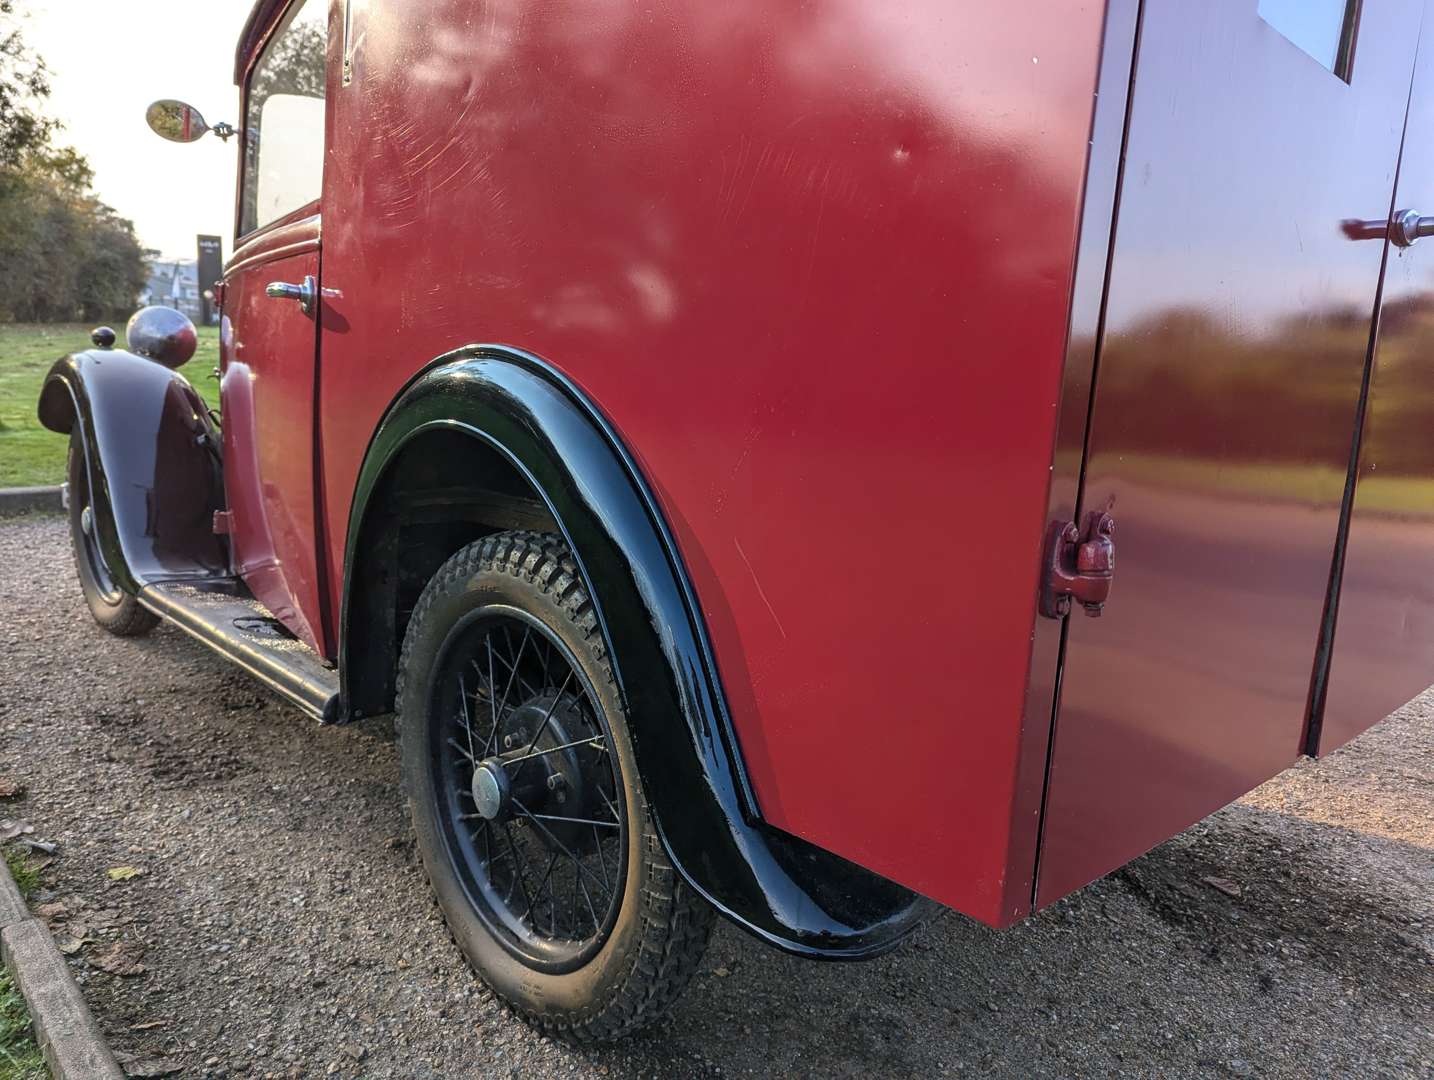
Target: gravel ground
<point>283,926</point>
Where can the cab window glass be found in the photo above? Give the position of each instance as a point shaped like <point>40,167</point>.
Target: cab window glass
<point>1324,29</point>
<point>284,119</point>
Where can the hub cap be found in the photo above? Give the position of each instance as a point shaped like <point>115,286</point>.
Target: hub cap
<point>490,789</point>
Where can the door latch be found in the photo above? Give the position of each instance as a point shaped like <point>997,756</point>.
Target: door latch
<point>304,293</point>
<point>1078,566</point>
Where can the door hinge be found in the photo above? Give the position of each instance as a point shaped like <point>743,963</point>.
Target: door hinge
<point>223,522</point>
<point>1078,565</point>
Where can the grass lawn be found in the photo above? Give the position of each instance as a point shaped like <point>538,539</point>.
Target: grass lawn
<point>20,1058</point>
<point>28,453</point>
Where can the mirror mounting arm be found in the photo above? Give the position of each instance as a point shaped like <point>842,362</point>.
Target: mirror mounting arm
<point>224,130</point>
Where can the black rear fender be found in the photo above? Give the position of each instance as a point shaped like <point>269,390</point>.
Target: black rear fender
<point>581,478</point>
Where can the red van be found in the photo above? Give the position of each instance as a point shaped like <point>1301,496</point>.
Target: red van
<point>709,426</point>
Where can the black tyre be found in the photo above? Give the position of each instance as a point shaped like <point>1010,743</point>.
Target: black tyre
<point>530,816</point>
<point>113,608</point>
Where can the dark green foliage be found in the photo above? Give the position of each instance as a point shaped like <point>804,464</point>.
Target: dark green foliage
<point>23,870</point>
<point>22,84</point>
<point>64,255</point>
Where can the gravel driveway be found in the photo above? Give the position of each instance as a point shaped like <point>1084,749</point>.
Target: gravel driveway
<point>283,926</point>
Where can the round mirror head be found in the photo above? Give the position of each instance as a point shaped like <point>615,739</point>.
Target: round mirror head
<point>162,334</point>
<point>175,121</point>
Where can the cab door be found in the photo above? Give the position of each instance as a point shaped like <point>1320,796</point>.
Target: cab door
<point>1236,328</point>
<point>269,333</point>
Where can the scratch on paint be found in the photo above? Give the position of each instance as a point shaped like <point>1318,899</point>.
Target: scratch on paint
<point>760,591</point>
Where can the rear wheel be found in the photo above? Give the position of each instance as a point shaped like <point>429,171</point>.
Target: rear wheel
<point>526,801</point>
<point>113,608</point>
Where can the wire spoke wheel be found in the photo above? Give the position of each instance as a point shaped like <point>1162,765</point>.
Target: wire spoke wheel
<point>529,790</point>
<point>527,803</point>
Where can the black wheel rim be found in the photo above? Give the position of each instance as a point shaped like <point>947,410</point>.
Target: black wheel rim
<point>528,788</point>
<point>87,537</point>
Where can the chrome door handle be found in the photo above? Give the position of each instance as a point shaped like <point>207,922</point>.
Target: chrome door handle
<point>1408,226</point>
<point>1405,227</point>
<point>304,294</point>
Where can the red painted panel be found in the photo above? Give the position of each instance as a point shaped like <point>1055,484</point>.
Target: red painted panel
<point>814,261</point>
<point>267,400</point>
<point>1384,638</point>
<point>1237,325</point>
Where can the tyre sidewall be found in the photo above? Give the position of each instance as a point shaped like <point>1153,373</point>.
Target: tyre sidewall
<point>450,604</point>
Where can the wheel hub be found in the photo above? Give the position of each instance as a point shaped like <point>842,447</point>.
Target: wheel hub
<point>537,768</point>
<point>491,790</point>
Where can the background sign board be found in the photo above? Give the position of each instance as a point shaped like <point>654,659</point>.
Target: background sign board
<point>211,269</point>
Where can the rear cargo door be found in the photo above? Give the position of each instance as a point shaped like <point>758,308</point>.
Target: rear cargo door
<point>1383,652</point>
<point>1237,325</point>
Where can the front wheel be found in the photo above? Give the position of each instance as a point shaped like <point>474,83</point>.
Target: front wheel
<point>525,797</point>
<point>113,608</point>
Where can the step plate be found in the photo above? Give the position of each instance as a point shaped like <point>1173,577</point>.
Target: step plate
<point>231,622</point>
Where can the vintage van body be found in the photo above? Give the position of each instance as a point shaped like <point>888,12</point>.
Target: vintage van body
<point>699,422</point>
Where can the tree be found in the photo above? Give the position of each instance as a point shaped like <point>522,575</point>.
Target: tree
<point>293,64</point>
<point>23,85</point>
<point>63,253</point>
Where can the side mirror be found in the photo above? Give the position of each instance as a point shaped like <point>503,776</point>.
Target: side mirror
<point>181,123</point>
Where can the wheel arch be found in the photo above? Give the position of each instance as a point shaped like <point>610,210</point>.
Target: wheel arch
<point>152,460</point>
<point>533,423</point>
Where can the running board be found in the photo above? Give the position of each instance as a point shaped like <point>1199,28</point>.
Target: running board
<point>225,617</point>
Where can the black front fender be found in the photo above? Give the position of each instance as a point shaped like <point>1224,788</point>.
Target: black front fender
<point>786,891</point>
<point>153,460</point>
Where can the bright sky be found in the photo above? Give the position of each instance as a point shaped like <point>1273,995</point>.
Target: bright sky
<point>109,59</point>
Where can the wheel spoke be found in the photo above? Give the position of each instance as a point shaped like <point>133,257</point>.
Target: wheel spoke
<point>553,839</point>
<point>573,907</point>
<point>548,873</point>
<point>547,717</point>
<point>602,859</point>
<point>492,745</point>
<point>514,666</point>
<point>577,820</point>
<point>459,747</point>
<point>589,901</point>
<point>467,723</point>
<point>486,828</point>
<point>522,878</point>
<point>513,673</point>
<point>594,741</point>
<point>488,846</point>
<point>610,805</point>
